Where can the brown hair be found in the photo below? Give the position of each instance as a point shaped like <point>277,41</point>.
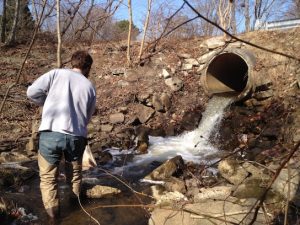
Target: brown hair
<point>82,60</point>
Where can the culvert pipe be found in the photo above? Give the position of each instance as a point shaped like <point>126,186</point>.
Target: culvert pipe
<point>230,72</point>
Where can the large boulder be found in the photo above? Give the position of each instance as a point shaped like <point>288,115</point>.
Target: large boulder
<point>167,170</point>
<point>214,193</point>
<point>213,43</point>
<point>144,113</point>
<point>100,191</point>
<point>232,171</point>
<point>231,211</point>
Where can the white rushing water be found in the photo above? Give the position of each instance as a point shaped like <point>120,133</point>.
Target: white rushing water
<point>194,145</point>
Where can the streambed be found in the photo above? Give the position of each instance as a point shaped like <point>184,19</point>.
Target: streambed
<point>126,170</point>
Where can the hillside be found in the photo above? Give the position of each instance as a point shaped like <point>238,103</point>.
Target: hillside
<point>163,97</point>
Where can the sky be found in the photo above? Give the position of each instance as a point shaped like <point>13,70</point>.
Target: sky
<point>139,10</point>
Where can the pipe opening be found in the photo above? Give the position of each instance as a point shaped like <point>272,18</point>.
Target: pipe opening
<point>227,72</point>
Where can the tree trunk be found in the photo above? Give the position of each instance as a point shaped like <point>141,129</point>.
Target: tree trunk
<point>12,37</point>
<point>129,32</point>
<point>145,28</point>
<point>58,34</point>
<point>34,12</point>
<point>247,16</point>
<point>233,18</point>
<point>3,22</point>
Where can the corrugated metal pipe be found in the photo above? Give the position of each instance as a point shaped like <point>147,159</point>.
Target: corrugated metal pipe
<point>230,72</point>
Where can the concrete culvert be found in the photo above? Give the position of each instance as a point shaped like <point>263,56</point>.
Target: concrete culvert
<point>230,72</point>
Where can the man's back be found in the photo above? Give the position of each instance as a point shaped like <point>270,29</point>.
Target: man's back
<point>68,99</point>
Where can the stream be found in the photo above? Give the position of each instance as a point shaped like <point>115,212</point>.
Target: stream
<point>127,169</point>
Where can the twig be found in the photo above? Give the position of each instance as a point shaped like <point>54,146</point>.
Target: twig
<point>221,215</point>
<point>288,195</point>
<point>87,212</point>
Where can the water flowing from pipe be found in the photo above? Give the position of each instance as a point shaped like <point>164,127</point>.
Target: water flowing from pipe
<point>194,145</point>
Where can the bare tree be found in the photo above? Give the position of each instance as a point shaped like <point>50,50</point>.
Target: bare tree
<point>3,22</point>
<point>145,28</point>
<point>294,9</point>
<point>209,9</point>
<point>247,15</point>
<point>34,11</point>
<point>71,15</point>
<point>12,37</point>
<point>81,28</point>
<point>233,20</point>
<point>225,13</point>
<point>266,9</point>
<point>129,32</point>
<point>58,33</point>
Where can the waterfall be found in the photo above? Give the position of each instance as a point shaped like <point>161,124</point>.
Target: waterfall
<point>194,145</point>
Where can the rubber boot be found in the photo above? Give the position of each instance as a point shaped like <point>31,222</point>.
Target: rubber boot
<point>53,215</point>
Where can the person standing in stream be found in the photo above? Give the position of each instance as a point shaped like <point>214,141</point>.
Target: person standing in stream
<point>68,99</point>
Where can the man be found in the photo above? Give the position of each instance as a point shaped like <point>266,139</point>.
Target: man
<point>68,99</point>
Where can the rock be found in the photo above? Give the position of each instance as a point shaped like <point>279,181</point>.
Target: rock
<point>123,83</point>
<point>187,66</point>
<point>236,44</point>
<point>144,113</point>
<point>190,120</point>
<point>256,173</point>
<point>14,174</point>
<point>165,74</point>
<point>222,212</point>
<point>213,43</point>
<point>206,57</point>
<point>232,171</point>
<point>292,177</point>
<point>167,170</point>
<point>170,197</point>
<point>263,95</point>
<point>174,184</point>
<point>158,106</point>
<point>250,188</point>
<point>123,109</point>
<point>201,68</point>
<point>191,61</point>
<point>214,193</point>
<point>174,83</point>
<point>118,72</point>
<point>13,157</point>
<point>142,134</point>
<point>106,128</point>
<point>143,97</point>
<point>100,191</point>
<point>134,121</point>
<point>116,118</point>
<point>184,55</point>
<point>166,101</point>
